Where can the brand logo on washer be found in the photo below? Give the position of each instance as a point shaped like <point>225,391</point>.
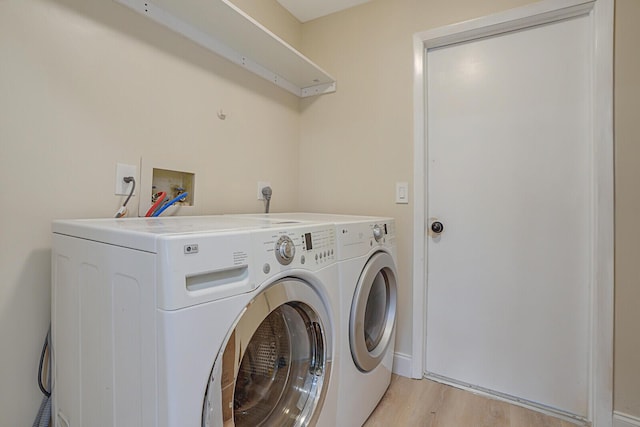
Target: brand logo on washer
<point>191,249</point>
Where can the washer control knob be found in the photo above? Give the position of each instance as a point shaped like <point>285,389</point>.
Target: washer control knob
<point>285,250</point>
<point>377,233</point>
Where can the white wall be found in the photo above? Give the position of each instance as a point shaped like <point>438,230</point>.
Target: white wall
<point>88,83</point>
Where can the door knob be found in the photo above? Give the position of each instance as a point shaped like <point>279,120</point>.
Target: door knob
<point>437,227</point>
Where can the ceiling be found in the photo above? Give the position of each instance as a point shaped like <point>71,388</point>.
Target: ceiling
<point>306,10</point>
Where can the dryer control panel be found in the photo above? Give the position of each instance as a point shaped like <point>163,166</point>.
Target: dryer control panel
<point>358,238</point>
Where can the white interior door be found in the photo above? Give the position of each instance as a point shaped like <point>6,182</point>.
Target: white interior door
<point>510,177</point>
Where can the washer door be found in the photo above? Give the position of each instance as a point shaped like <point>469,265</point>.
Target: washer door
<point>273,369</point>
<point>373,312</point>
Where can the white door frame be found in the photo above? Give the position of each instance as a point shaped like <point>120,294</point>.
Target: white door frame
<point>601,316</point>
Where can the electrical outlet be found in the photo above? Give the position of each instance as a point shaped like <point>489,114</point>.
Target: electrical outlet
<point>261,185</point>
<point>123,171</point>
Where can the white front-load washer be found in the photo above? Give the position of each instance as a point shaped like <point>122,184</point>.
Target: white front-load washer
<point>194,321</point>
<point>368,287</point>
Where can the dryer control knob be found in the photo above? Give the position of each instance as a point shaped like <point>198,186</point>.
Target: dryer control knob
<point>377,233</point>
<point>285,250</point>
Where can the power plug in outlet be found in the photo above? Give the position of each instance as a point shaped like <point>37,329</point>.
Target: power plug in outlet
<point>261,185</point>
<point>123,171</point>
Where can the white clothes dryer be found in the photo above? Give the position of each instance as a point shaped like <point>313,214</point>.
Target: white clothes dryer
<point>194,321</point>
<point>368,288</point>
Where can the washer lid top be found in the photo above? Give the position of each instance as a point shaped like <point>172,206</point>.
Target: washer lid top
<point>143,233</point>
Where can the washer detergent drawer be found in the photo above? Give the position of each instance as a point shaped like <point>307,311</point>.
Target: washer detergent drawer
<point>221,283</point>
<point>202,268</point>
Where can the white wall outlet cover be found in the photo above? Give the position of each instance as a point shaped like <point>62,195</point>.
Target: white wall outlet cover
<point>261,185</point>
<point>122,171</point>
<point>402,192</point>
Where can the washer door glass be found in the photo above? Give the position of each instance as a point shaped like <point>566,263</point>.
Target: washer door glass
<point>274,363</point>
<point>373,312</point>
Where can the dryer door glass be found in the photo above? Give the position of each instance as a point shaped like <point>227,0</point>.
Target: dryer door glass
<point>274,364</point>
<point>373,312</point>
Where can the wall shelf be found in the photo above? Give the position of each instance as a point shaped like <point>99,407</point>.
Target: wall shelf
<point>221,27</point>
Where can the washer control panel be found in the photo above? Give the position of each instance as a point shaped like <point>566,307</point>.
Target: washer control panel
<point>309,246</point>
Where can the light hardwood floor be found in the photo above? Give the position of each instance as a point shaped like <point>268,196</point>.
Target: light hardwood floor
<point>426,403</point>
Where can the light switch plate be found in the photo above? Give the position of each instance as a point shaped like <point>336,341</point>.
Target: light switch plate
<point>402,192</point>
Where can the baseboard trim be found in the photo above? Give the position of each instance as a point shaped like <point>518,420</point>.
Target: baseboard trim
<point>624,420</point>
<point>402,364</point>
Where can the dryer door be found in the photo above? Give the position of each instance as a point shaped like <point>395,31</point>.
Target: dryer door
<point>274,367</point>
<point>373,312</point>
